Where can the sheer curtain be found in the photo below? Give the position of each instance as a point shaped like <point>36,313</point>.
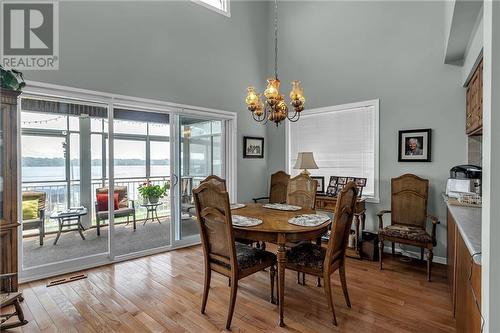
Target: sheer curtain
<point>344,140</point>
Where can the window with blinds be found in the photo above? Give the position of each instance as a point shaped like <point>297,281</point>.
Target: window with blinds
<point>344,140</point>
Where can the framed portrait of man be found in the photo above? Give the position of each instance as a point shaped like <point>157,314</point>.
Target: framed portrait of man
<point>414,145</point>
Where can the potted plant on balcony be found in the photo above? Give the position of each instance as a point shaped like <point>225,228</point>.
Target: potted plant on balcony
<point>152,192</point>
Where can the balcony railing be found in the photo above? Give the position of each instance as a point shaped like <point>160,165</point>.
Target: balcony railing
<point>57,195</point>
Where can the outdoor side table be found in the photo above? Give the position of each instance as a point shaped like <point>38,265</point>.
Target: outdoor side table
<point>69,218</point>
<point>151,208</point>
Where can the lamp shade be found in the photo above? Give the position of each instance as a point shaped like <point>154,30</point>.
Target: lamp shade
<point>305,160</point>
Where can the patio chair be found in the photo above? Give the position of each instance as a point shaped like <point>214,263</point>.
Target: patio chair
<point>123,208</point>
<point>187,201</point>
<point>33,204</point>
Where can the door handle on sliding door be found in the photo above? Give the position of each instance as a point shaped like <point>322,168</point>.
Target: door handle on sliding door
<point>175,179</point>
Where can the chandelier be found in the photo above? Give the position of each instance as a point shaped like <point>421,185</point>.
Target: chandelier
<point>274,108</point>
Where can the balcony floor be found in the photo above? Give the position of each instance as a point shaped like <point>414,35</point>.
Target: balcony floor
<point>70,245</point>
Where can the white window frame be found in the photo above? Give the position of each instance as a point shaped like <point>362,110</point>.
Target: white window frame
<point>375,103</point>
<point>224,11</point>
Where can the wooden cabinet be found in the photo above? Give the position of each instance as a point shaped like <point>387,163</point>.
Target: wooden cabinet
<point>8,182</point>
<point>464,277</point>
<point>474,102</point>
<point>452,228</point>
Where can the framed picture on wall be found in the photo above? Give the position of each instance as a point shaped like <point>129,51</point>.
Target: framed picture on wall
<point>253,147</point>
<point>321,184</point>
<point>414,145</point>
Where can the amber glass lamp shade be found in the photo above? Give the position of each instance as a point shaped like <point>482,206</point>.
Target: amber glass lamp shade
<point>252,98</point>
<point>272,91</point>
<point>297,92</point>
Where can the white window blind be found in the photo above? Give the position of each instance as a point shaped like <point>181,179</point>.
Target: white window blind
<point>344,140</point>
<point>220,6</point>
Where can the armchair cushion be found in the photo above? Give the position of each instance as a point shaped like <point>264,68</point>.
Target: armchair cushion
<point>121,212</point>
<point>408,232</point>
<point>102,201</point>
<point>30,209</point>
<point>306,255</point>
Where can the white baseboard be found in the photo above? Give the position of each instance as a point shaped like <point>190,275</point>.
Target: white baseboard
<point>413,254</point>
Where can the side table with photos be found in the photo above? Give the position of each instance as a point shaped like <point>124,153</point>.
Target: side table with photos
<point>327,201</point>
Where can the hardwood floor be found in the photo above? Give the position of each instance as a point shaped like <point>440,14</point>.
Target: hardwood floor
<point>162,293</point>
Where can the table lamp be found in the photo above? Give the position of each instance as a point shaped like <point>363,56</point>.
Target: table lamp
<point>305,160</point>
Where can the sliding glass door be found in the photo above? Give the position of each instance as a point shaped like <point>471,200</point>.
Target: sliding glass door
<point>103,180</point>
<point>60,155</point>
<point>142,175</point>
<point>201,154</point>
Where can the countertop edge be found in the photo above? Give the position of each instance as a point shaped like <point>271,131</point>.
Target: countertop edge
<point>474,251</point>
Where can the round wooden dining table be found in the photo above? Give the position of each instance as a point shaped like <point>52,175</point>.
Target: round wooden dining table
<point>276,229</point>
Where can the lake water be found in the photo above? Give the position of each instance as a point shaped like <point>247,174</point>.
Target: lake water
<point>57,173</point>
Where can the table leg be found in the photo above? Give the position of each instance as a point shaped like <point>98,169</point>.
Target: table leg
<point>156,215</point>
<point>281,254</point>
<point>147,216</point>
<point>60,222</point>
<point>356,225</point>
<point>80,228</point>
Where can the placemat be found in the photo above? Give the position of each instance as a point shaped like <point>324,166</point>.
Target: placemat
<point>244,221</point>
<point>237,205</point>
<point>278,206</point>
<point>309,220</point>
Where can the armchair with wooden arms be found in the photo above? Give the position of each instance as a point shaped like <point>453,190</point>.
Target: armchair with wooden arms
<point>409,196</point>
<point>278,188</point>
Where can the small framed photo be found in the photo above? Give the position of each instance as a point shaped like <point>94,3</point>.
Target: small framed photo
<point>253,147</point>
<point>321,184</point>
<point>360,182</point>
<point>333,181</point>
<point>342,180</point>
<point>414,145</point>
<point>331,191</point>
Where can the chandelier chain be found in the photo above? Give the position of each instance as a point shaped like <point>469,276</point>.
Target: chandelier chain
<point>276,39</point>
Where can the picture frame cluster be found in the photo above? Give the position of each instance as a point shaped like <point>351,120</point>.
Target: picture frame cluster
<point>336,184</point>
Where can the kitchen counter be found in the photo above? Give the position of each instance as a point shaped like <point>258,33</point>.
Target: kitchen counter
<point>468,221</point>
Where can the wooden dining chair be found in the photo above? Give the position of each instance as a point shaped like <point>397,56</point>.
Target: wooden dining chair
<point>323,262</point>
<point>301,191</point>
<point>221,253</point>
<point>278,188</point>
<point>409,196</point>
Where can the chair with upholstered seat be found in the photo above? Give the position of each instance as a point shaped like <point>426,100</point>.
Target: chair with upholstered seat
<point>409,195</point>
<point>322,262</point>
<point>220,251</point>
<point>34,219</point>
<point>124,207</point>
<point>301,192</point>
<point>278,188</point>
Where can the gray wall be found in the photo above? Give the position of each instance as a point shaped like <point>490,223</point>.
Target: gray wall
<point>173,51</point>
<point>353,51</point>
